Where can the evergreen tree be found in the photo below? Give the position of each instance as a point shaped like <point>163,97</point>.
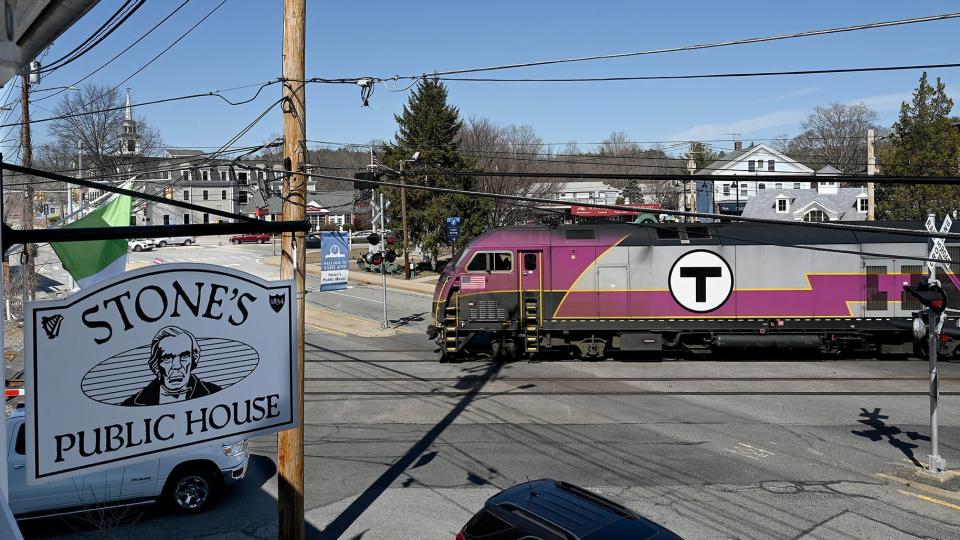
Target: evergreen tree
<point>431,126</point>
<point>632,191</point>
<point>923,143</point>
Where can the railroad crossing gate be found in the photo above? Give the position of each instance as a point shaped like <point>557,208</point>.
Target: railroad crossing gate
<point>938,249</point>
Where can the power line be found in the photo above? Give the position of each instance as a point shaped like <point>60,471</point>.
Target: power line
<point>102,33</point>
<point>794,35</point>
<point>682,213</point>
<point>212,93</point>
<point>702,76</point>
<point>118,55</point>
<point>750,240</point>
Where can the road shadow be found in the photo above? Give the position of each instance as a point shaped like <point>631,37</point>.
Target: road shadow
<point>44,283</point>
<point>342,522</point>
<point>883,431</point>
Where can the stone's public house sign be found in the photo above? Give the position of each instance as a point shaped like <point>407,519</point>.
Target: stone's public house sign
<point>154,360</point>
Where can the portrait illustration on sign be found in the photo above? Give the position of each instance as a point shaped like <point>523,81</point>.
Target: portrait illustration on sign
<point>174,354</point>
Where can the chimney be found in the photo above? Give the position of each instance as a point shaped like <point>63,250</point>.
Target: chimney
<point>737,146</point>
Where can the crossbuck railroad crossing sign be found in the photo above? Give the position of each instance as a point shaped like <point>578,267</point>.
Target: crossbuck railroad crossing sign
<point>938,249</point>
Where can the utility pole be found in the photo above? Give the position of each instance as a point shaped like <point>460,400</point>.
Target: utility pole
<point>871,170</point>
<point>29,278</point>
<point>292,256</point>
<point>403,215</point>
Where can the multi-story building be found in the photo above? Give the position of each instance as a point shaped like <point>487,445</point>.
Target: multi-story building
<point>744,173</point>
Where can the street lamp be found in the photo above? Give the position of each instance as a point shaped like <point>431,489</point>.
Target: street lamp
<point>403,215</point>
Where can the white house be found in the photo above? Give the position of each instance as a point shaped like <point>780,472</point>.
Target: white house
<point>756,168</point>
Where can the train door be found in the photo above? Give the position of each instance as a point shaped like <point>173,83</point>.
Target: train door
<point>531,297</point>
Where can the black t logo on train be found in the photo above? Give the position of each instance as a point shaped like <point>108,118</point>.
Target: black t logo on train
<point>701,281</point>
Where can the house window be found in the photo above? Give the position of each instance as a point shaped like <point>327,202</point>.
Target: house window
<point>206,195</point>
<point>166,219</point>
<point>751,165</point>
<point>770,165</point>
<point>185,174</point>
<point>778,185</point>
<point>782,206</point>
<point>206,218</point>
<point>260,175</point>
<point>743,190</point>
<point>131,146</point>
<point>223,194</point>
<point>761,186</point>
<point>242,197</point>
<point>186,195</point>
<point>815,215</point>
<point>186,219</point>
<point>242,178</point>
<point>862,205</point>
<point>726,189</point>
<point>796,185</point>
<point>223,176</point>
<point>205,175</point>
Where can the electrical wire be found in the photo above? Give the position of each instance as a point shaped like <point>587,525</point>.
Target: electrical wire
<point>794,35</point>
<point>87,45</point>
<point>682,213</point>
<point>702,76</point>
<point>118,55</point>
<point>752,241</point>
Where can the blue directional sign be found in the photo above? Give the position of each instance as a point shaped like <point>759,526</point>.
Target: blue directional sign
<point>453,228</point>
<point>334,260</point>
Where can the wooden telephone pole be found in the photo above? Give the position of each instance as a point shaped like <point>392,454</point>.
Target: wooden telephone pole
<point>292,256</point>
<point>29,277</point>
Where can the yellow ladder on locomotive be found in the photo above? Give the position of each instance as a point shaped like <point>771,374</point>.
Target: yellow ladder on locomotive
<point>451,325</point>
<point>531,324</point>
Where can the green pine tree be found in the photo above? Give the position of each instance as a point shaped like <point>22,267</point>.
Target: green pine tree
<point>923,143</point>
<point>431,126</point>
<point>632,191</point>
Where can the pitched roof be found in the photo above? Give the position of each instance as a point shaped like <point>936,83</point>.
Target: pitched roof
<point>842,205</point>
<point>728,160</point>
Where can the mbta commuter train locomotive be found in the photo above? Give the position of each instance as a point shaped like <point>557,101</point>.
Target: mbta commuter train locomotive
<point>596,289</point>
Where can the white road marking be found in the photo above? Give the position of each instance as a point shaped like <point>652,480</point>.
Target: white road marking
<point>752,452</point>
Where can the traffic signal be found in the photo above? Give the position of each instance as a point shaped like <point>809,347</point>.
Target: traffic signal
<point>931,296</point>
<point>373,239</point>
<point>390,255</point>
<point>374,258</point>
<point>390,238</point>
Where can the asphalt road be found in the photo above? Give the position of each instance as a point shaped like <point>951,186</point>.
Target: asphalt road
<point>399,446</point>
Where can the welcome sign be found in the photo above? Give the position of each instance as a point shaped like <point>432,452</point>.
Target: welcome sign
<point>154,360</point>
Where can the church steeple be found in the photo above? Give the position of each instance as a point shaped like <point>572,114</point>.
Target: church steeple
<point>129,140</point>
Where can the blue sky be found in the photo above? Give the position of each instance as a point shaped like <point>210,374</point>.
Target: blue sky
<point>241,44</point>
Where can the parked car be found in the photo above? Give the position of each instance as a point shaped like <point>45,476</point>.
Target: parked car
<point>186,482</point>
<point>553,510</point>
<point>174,240</point>
<point>141,244</point>
<point>258,238</point>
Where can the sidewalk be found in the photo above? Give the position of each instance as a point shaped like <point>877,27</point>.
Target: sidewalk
<point>420,285</point>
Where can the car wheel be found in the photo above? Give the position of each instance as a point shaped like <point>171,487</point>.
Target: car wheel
<point>137,248</point>
<point>260,241</point>
<point>162,244</point>
<point>187,242</point>
<point>236,242</point>
<point>190,490</point>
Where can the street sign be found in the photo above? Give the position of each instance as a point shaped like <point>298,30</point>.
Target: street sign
<point>938,250</point>
<point>453,228</point>
<point>334,260</point>
<point>157,359</point>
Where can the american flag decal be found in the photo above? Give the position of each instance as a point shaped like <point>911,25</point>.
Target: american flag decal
<point>473,282</point>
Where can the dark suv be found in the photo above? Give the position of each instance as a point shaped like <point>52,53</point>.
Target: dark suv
<point>553,510</point>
